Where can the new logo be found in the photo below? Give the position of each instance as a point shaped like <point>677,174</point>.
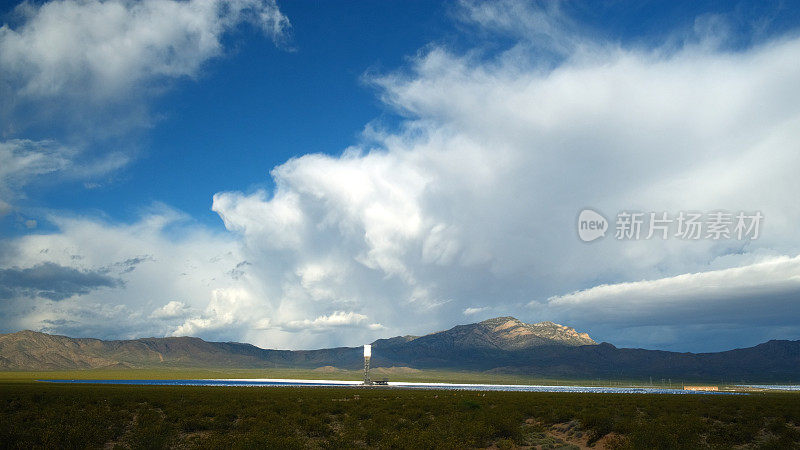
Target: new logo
<point>591,225</point>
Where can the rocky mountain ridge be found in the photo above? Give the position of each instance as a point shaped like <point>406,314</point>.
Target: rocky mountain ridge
<point>501,345</point>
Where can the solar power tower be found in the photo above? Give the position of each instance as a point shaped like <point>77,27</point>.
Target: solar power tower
<point>367,356</point>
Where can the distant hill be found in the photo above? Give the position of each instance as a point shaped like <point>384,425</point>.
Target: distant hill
<point>501,333</point>
<point>503,344</point>
<point>30,350</point>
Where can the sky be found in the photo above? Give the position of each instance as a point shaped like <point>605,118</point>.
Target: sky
<point>315,174</point>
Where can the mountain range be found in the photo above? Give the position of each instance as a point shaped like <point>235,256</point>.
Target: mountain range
<point>502,345</point>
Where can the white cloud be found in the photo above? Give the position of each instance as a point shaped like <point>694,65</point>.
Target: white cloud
<point>473,202</point>
<point>763,292</point>
<point>335,319</point>
<point>472,310</point>
<point>85,71</point>
<point>152,261</point>
<point>474,199</point>
<point>172,310</point>
<point>104,48</point>
<point>154,267</point>
<point>23,162</point>
<point>230,307</point>
<point>22,159</point>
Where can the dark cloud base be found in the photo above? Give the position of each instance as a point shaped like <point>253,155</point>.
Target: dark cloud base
<point>52,281</point>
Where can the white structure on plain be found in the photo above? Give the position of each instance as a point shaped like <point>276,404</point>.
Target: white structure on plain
<point>367,356</point>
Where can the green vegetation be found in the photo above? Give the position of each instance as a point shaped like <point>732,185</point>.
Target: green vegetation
<point>39,415</point>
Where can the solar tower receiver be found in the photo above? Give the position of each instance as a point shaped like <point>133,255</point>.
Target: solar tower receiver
<point>367,356</point>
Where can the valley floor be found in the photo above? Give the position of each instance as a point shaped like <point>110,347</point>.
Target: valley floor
<point>332,373</point>
<point>39,415</point>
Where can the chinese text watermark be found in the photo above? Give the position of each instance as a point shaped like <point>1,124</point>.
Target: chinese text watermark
<point>685,225</point>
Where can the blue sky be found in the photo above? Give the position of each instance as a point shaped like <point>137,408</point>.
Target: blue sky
<point>353,170</point>
<point>259,105</point>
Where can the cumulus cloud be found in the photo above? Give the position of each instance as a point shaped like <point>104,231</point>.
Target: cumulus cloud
<point>335,319</point>
<point>120,275</point>
<point>172,310</point>
<point>114,280</point>
<point>472,200</point>
<point>229,308</point>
